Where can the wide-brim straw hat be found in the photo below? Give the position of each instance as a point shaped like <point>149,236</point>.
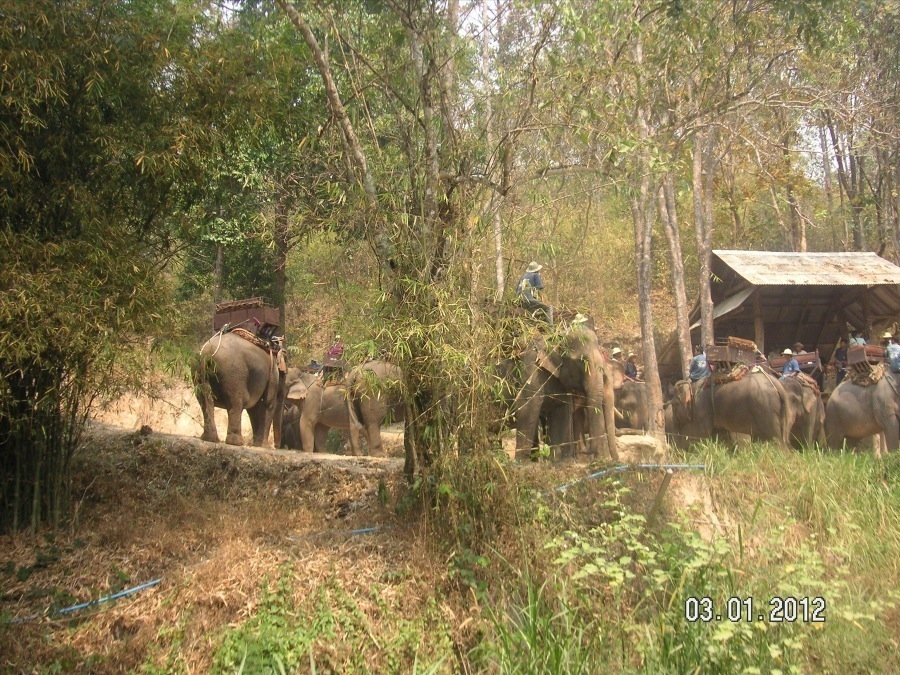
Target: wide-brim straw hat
<point>631,355</point>
<point>787,352</point>
<point>887,336</point>
<point>534,266</point>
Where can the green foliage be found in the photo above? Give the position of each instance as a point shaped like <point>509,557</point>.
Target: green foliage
<point>805,525</point>
<point>330,631</point>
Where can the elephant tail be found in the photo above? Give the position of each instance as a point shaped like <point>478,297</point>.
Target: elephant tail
<point>353,406</point>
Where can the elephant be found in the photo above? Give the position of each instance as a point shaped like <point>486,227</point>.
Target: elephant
<point>756,405</point>
<point>374,394</point>
<point>632,409</point>
<point>808,411</point>
<point>297,386</point>
<point>856,412</point>
<point>235,374</point>
<point>631,403</point>
<point>576,372</point>
<point>355,404</point>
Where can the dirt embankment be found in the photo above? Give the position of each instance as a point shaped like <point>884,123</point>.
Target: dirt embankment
<point>214,522</point>
<point>173,411</point>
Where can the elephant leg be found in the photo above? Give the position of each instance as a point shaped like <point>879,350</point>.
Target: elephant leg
<point>259,423</point>
<point>307,435</point>
<point>890,435</point>
<point>527,418</point>
<point>578,419</point>
<point>560,431</point>
<point>234,436</point>
<point>204,397</point>
<point>373,437</point>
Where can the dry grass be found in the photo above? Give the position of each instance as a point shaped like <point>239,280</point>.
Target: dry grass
<point>214,524</point>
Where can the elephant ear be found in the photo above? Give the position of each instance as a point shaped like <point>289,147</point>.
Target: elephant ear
<point>297,391</point>
<point>617,373</point>
<point>548,363</point>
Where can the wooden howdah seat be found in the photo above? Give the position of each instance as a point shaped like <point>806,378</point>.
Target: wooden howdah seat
<point>242,312</point>
<point>810,363</point>
<point>731,351</point>
<point>871,354</point>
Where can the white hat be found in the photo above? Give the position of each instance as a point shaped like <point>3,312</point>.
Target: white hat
<point>534,266</point>
<point>579,318</point>
<point>616,351</point>
<point>787,352</point>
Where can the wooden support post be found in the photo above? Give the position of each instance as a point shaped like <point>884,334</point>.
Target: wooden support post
<point>657,502</point>
<point>759,334</point>
<point>866,326</point>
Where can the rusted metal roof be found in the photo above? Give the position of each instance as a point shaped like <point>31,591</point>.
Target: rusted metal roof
<point>774,268</point>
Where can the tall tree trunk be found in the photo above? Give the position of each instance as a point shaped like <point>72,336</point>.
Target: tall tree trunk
<point>828,182</point>
<point>669,219</point>
<point>703,233</point>
<point>218,271</point>
<point>895,217</point>
<point>643,248</point>
<point>282,229</point>
<point>496,200</point>
<point>846,171</point>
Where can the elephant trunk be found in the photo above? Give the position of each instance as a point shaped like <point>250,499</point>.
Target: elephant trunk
<point>277,419</point>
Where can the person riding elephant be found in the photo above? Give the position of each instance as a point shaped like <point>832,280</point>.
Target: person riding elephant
<point>351,404</point>
<point>373,397</point>
<point>236,374</point>
<point>576,368</point>
<point>863,408</point>
<point>807,409</point>
<point>747,402</point>
<point>528,292</point>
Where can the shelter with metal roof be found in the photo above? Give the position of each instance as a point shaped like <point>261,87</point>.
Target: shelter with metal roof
<point>778,298</point>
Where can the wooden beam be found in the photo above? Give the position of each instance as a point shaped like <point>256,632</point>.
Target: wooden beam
<point>759,333</point>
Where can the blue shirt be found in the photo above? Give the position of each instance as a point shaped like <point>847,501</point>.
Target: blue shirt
<point>528,284</point>
<point>892,353</point>
<point>790,368</point>
<point>699,367</point>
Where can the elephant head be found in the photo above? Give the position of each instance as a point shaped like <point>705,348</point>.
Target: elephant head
<point>577,367</point>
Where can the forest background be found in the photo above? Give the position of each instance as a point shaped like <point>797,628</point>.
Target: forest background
<point>385,170</point>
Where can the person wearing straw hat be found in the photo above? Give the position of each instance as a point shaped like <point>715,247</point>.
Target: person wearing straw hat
<point>528,292</point>
<point>617,355</point>
<point>790,368</point>
<point>631,366</point>
<point>891,352</point>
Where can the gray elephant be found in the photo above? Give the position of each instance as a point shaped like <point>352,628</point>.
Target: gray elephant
<point>374,396</point>
<point>555,380</point>
<point>559,415</point>
<point>235,374</point>
<point>353,404</point>
<point>756,404</point>
<point>807,409</point>
<point>297,386</point>
<point>855,412</point>
<point>631,406</point>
